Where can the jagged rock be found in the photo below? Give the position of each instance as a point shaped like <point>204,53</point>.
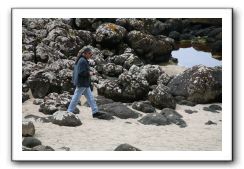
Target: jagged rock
<point>110,69</point>
<point>126,147</point>
<point>144,106</point>
<point>173,117</point>
<point>154,119</point>
<point>190,111</point>
<point>109,34</point>
<point>130,23</point>
<point>160,97</point>
<point>164,79</point>
<point>31,142</point>
<point>199,84</point>
<point>152,49</point>
<point>209,122</point>
<point>28,128</point>
<point>38,101</point>
<point>119,110</point>
<point>25,96</point>
<point>63,118</point>
<point>54,102</point>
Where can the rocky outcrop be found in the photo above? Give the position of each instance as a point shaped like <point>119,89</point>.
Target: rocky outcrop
<point>55,102</point>
<point>63,118</point>
<point>28,128</point>
<point>144,106</point>
<point>31,142</point>
<point>126,147</point>
<point>109,34</point>
<point>199,84</point>
<point>165,117</point>
<point>119,110</point>
<point>160,97</point>
<point>150,48</point>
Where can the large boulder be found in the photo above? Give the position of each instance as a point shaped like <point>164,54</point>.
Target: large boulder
<point>31,142</point>
<point>130,23</point>
<point>28,128</point>
<point>111,69</point>
<point>160,97</point>
<point>109,34</point>
<point>150,48</point>
<point>63,118</point>
<point>54,102</point>
<point>144,106</point>
<point>119,110</point>
<point>199,84</point>
<point>126,147</point>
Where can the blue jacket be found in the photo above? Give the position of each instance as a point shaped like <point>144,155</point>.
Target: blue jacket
<point>81,73</point>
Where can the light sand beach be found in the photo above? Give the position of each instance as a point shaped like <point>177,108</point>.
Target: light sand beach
<point>103,135</point>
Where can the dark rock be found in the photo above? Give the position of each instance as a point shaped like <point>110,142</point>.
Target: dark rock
<point>161,97</point>
<point>154,119</point>
<point>64,118</point>
<point>215,107</point>
<point>100,100</point>
<point>25,87</point>
<point>210,123</point>
<point>163,79</point>
<point>42,148</point>
<point>149,47</point>
<point>190,111</point>
<point>25,96</point>
<point>104,116</point>
<point>63,149</point>
<point>31,142</point>
<point>54,102</point>
<point>109,34</point>
<point>28,128</point>
<point>187,103</point>
<point>206,21</point>
<point>38,101</point>
<point>199,84</point>
<point>130,23</point>
<point>173,117</point>
<point>210,109</point>
<point>119,110</point>
<point>144,106</point>
<point>126,147</point>
<point>174,35</point>
<point>110,69</point>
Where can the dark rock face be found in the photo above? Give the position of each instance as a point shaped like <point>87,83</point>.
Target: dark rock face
<point>164,79</point>
<point>173,117</point>
<point>109,34</point>
<point>31,142</point>
<point>160,97</point>
<point>154,119</point>
<point>126,147</point>
<point>28,128</point>
<point>130,23</point>
<point>110,69</point>
<point>210,123</point>
<point>199,84</point>
<point>119,110</point>
<point>207,21</point>
<point>149,47</point>
<point>165,117</point>
<point>54,102</point>
<point>144,106</point>
<point>64,118</point>
<point>190,111</point>
<point>25,97</point>
<point>128,88</point>
<point>55,77</point>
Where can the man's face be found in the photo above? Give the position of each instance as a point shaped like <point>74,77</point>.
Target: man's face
<point>88,55</point>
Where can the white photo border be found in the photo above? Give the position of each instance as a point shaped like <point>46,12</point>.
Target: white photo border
<point>227,124</point>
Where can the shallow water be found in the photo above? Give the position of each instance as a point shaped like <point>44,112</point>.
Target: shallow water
<point>190,57</point>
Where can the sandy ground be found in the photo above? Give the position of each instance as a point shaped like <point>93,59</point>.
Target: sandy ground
<point>103,135</point>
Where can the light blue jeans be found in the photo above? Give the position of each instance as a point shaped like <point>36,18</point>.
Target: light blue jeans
<point>77,95</point>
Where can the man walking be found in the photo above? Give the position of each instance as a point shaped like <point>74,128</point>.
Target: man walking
<point>81,79</point>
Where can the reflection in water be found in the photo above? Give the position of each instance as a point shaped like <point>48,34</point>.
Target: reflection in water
<point>189,57</point>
